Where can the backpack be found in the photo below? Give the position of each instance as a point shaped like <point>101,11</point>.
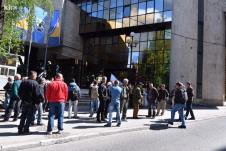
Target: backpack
<point>184,95</point>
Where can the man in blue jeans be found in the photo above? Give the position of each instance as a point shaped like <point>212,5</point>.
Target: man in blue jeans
<point>56,94</point>
<point>115,92</point>
<point>179,100</point>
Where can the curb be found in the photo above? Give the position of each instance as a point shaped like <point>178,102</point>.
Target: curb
<point>67,139</point>
<point>71,138</point>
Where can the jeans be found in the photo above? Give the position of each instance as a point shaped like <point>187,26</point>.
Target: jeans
<point>38,112</point>
<point>26,117</point>
<point>74,105</point>
<point>151,108</point>
<point>13,105</point>
<point>189,109</point>
<point>6,101</point>
<point>94,105</point>
<point>180,108</point>
<point>114,106</point>
<point>124,107</point>
<point>55,107</point>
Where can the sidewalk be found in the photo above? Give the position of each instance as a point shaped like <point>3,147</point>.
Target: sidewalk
<point>85,127</point>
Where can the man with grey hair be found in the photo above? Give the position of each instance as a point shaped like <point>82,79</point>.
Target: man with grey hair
<point>124,99</point>
<point>15,101</point>
<point>115,92</point>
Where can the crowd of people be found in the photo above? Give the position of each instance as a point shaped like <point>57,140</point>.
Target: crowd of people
<point>32,96</point>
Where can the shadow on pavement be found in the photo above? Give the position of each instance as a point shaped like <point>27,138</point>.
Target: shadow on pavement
<point>80,121</point>
<point>158,126</point>
<point>87,126</point>
<point>6,134</point>
<point>8,126</point>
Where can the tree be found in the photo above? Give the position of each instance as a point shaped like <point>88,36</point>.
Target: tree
<point>13,10</point>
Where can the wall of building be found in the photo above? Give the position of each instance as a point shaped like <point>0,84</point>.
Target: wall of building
<point>214,55</point>
<point>183,62</point>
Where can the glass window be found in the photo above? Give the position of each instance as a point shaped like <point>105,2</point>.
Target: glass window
<point>126,11</point>
<point>119,13</point>
<point>151,35</point>
<point>149,18</point>
<point>88,19</point>
<point>144,36</point>
<point>143,46</point>
<point>84,7</point>
<point>158,5</point>
<point>167,16</point>
<point>133,21</point>
<point>158,18</point>
<point>141,20</point>
<point>89,8</point>
<point>135,57</point>
<point>150,6</point>
<point>160,45</point>
<point>112,13</point>
<point>106,14</point>
<point>151,45</point>
<point>168,34</point>
<point>106,4</point>
<point>94,7</point>
<point>118,23</point>
<point>100,5</point>
<point>113,3</point>
<point>160,34</point>
<point>134,1</point>
<point>126,2</point>
<point>11,72</point>
<point>94,14</point>
<point>120,2</point>
<point>137,37</point>
<point>168,5</point>
<point>142,8</point>
<point>125,22</point>
<point>134,9</point>
<point>167,44</point>
<point>100,14</point>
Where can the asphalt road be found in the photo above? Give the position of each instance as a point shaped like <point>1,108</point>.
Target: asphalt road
<point>207,135</point>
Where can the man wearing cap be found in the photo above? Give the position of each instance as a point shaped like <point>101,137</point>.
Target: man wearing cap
<point>179,105</point>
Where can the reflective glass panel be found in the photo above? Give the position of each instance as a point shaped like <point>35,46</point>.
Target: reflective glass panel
<point>167,16</point>
<point>158,5</point>
<point>113,3</point>
<point>100,5</point>
<point>133,21</point>
<point>126,11</point>
<point>100,14</point>
<point>94,7</point>
<point>142,8</point>
<point>134,1</point>
<point>119,13</point>
<point>89,8</point>
<point>120,2</point>
<point>119,23</point>
<point>150,6</point>
<point>106,4</point>
<point>158,18</point>
<point>126,2</point>
<point>112,13</point>
<point>151,35</point>
<point>168,34</point>
<point>106,14</point>
<point>141,20</point>
<point>143,46</point>
<point>168,5</point>
<point>149,18</point>
<point>125,22</point>
<point>134,9</point>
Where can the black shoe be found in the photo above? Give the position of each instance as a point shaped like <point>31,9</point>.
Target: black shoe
<point>40,124</point>
<point>192,118</point>
<point>118,125</point>
<point>182,126</point>
<point>26,132</point>
<point>107,125</point>
<point>98,121</point>
<point>171,123</point>
<point>5,120</point>
<point>185,117</point>
<point>148,116</point>
<point>15,119</point>
<point>135,117</point>
<point>124,119</point>
<point>177,120</point>
<point>20,132</point>
<point>153,117</point>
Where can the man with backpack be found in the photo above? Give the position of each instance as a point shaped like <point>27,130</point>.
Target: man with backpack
<point>180,100</point>
<point>74,94</point>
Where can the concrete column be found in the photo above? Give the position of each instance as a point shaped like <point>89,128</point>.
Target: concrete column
<point>183,61</point>
<point>214,54</point>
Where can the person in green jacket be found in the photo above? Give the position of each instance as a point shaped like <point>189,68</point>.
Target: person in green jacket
<point>136,99</point>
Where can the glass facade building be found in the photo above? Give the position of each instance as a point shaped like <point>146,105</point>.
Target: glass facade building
<point>106,26</point>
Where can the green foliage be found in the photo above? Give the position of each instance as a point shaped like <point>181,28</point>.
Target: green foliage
<point>13,11</point>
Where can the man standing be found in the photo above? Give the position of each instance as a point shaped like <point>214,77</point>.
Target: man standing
<point>189,109</point>
<point>8,91</point>
<point>94,95</point>
<point>102,90</point>
<point>152,95</point>
<point>124,99</point>
<point>56,94</point>
<point>74,95</point>
<point>179,104</point>
<point>15,102</point>
<point>136,99</point>
<point>29,93</point>
<point>115,92</point>
<point>163,95</point>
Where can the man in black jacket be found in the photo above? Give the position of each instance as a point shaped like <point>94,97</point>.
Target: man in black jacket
<point>30,95</point>
<point>102,90</point>
<point>152,95</point>
<point>179,100</point>
<point>189,109</point>
<point>163,95</point>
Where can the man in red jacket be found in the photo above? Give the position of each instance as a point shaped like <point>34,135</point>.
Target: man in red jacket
<point>56,94</point>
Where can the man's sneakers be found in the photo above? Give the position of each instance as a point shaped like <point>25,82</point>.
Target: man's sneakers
<point>182,126</point>
<point>107,125</point>
<point>171,123</point>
